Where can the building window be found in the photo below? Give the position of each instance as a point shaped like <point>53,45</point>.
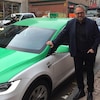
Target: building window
<point>11,7</point>
<point>7,8</point>
<point>1,10</point>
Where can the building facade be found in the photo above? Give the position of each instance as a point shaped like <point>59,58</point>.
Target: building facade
<point>63,7</point>
<point>98,3</point>
<point>12,6</point>
<point>43,7</point>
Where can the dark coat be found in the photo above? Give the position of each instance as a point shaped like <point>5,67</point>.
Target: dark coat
<point>69,34</point>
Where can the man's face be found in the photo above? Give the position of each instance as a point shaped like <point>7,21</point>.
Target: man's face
<point>80,13</point>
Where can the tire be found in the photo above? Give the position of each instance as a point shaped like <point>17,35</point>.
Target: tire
<point>38,91</point>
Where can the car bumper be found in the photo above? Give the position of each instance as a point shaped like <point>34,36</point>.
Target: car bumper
<point>15,92</point>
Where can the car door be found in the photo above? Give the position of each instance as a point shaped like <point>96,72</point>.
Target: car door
<point>63,67</point>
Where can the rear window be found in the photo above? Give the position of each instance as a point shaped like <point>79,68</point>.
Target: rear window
<point>27,16</point>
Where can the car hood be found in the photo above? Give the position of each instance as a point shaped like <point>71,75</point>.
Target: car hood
<point>2,22</point>
<point>13,62</point>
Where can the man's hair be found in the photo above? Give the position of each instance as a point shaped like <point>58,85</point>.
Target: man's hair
<point>80,6</point>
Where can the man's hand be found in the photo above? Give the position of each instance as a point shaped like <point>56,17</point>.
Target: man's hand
<point>50,44</point>
<point>90,51</point>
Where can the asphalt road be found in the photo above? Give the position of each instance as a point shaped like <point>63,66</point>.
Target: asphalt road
<point>64,91</point>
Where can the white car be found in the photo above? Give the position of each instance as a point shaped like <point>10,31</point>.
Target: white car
<point>19,16</point>
<point>28,68</point>
<point>97,19</point>
<point>98,22</point>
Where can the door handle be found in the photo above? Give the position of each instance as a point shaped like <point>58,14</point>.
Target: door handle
<point>49,64</point>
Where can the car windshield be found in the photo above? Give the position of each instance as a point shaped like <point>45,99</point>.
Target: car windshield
<point>93,12</point>
<point>22,38</point>
<point>18,16</point>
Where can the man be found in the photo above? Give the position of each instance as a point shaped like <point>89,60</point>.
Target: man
<point>84,37</point>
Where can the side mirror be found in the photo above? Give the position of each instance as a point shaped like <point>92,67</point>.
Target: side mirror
<point>62,49</point>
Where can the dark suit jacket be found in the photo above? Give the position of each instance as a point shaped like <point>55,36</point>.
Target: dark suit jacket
<point>69,34</point>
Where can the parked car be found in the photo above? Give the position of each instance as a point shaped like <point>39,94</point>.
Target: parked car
<point>98,22</point>
<point>97,19</point>
<point>27,70</point>
<point>19,16</point>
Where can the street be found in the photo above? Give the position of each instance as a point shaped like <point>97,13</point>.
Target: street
<point>63,92</point>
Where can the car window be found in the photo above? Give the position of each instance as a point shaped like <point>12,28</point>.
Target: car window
<point>18,16</point>
<point>31,39</point>
<point>27,16</point>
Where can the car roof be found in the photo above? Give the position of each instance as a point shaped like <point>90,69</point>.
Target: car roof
<point>52,23</point>
<point>22,13</point>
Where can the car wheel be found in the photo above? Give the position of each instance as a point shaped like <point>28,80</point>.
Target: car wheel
<point>38,91</point>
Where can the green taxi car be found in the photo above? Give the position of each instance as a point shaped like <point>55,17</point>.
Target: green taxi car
<point>27,72</point>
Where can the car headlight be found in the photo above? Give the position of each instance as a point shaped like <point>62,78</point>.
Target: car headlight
<point>4,86</point>
<point>8,87</point>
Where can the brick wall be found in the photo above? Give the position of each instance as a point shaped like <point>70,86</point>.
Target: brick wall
<point>61,6</point>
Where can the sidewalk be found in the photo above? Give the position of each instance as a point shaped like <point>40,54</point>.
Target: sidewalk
<point>96,93</point>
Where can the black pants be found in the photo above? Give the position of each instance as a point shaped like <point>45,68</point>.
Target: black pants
<point>89,61</point>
